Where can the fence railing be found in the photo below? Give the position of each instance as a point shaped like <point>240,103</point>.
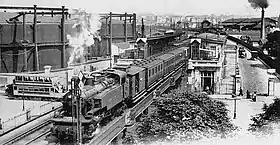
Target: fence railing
<point>28,115</point>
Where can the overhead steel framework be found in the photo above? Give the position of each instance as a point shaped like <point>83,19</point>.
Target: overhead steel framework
<point>38,11</point>
<point>123,17</point>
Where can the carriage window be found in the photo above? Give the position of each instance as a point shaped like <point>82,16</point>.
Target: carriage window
<point>155,69</point>
<point>123,80</point>
<point>149,73</point>
<point>97,103</point>
<point>159,68</point>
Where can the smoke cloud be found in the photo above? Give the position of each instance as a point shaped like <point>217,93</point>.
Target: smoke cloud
<point>87,26</point>
<point>259,3</point>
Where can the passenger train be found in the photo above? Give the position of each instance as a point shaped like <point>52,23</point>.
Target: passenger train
<point>107,93</point>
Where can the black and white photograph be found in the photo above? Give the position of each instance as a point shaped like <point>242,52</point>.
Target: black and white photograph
<point>139,72</point>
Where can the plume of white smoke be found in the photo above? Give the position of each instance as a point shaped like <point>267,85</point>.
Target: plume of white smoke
<point>259,3</point>
<point>87,25</point>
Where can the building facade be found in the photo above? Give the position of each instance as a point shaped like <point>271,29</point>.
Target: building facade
<point>205,64</point>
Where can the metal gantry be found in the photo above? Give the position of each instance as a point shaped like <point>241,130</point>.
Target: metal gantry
<point>37,11</point>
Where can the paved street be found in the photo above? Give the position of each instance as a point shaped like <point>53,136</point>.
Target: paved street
<point>254,78</point>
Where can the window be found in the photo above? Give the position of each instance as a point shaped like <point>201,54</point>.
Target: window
<point>213,48</point>
<point>195,51</point>
<point>158,68</point>
<point>123,80</point>
<point>149,73</point>
<point>97,103</point>
<point>153,71</point>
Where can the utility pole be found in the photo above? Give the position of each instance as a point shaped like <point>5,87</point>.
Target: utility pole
<point>234,113</point>
<point>76,93</point>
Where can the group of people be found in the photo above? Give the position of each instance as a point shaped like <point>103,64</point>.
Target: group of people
<point>248,95</point>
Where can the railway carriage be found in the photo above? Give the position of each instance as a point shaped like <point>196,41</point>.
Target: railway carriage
<point>153,70</point>
<point>135,81</point>
<point>168,63</point>
<point>180,54</point>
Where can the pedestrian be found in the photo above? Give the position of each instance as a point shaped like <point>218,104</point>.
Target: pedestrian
<point>240,92</point>
<point>1,126</point>
<point>248,94</point>
<point>254,96</point>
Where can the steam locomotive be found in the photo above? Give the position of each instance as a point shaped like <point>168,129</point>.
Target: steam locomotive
<point>107,93</point>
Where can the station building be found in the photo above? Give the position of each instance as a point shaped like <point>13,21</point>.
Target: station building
<point>205,63</point>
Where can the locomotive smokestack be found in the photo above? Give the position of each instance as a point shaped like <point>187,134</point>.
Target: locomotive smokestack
<point>262,25</point>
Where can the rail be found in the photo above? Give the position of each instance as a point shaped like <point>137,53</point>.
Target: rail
<point>46,133</point>
<point>28,132</point>
<point>22,119</point>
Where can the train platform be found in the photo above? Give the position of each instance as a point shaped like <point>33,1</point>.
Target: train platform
<point>14,113</point>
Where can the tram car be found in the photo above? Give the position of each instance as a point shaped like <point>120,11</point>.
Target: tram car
<point>107,93</point>
<point>35,87</point>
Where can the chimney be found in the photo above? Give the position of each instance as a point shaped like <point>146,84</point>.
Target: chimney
<point>143,29</point>
<point>47,69</point>
<point>279,22</point>
<point>262,25</point>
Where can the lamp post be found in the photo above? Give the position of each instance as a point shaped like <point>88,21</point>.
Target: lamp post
<point>234,97</point>
<point>23,106</point>
<point>234,112</point>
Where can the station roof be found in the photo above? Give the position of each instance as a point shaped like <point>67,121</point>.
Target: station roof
<point>158,37</point>
<point>211,37</point>
<point>246,21</point>
<point>176,51</point>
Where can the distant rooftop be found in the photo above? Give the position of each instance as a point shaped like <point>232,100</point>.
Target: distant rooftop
<point>248,20</point>
<point>211,36</point>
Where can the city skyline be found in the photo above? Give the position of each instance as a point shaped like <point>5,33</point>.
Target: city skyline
<point>182,7</point>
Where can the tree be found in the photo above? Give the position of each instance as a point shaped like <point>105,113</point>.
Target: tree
<point>262,123</point>
<point>183,116</point>
<point>273,43</point>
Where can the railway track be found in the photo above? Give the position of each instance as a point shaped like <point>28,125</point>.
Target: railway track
<point>30,136</point>
<point>34,133</point>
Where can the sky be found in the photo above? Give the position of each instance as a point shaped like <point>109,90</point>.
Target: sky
<point>182,7</point>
